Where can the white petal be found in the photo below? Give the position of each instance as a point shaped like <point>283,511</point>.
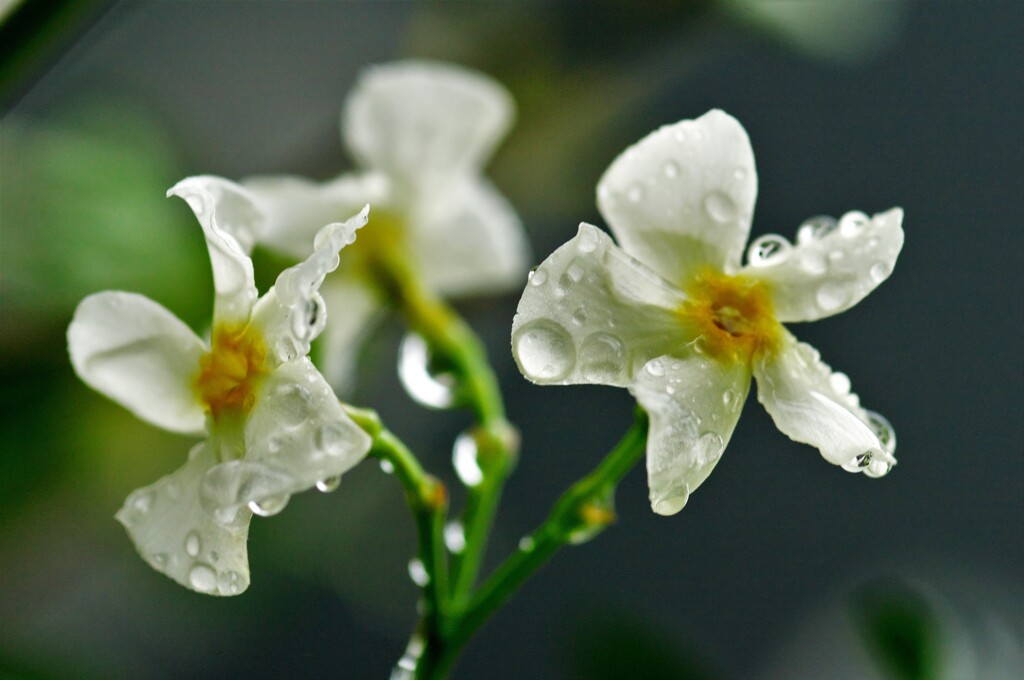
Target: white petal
<point>298,429</point>
<point>469,240</point>
<point>683,197</point>
<point>813,405</point>
<point>227,214</point>
<point>140,355</point>
<point>424,123</point>
<point>592,314</point>
<point>354,310</point>
<point>295,209</point>
<point>291,314</point>
<point>693,403</point>
<point>176,535</point>
<point>827,274</point>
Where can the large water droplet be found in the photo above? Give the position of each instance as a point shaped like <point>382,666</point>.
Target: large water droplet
<point>203,578</point>
<point>418,573</point>
<point>815,228</point>
<point>719,206</point>
<point>464,460</point>
<point>768,250</point>
<point>270,506</point>
<point>293,403</point>
<point>328,485</point>
<point>601,357</point>
<point>672,501</point>
<point>455,537</point>
<point>831,296</point>
<point>853,223</point>
<point>883,430</point>
<point>431,389</point>
<point>193,544</point>
<point>545,350</point>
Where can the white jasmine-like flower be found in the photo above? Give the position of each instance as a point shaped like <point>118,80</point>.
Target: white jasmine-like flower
<point>421,131</point>
<point>272,424</point>
<point>674,317</point>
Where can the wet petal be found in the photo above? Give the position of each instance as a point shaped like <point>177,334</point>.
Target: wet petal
<point>176,535</point>
<point>354,310</point>
<point>230,222</point>
<point>469,240</point>
<point>292,313</point>
<point>140,355</point>
<point>812,404</point>
<point>693,403</point>
<point>425,123</point>
<point>299,429</point>
<point>683,197</point>
<point>592,314</point>
<point>295,209</point>
<point>832,267</point>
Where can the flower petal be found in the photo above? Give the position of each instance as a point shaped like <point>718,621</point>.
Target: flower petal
<point>298,429</point>
<point>291,314</point>
<point>424,123</point>
<point>469,240</point>
<point>229,220</point>
<point>693,404</point>
<point>593,314</point>
<point>827,273</point>
<point>140,355</point>
<point>683,196</point>
<point>177,536</point>
<point>294,209</point>
<point>354,309</point>
<point>812,404</point>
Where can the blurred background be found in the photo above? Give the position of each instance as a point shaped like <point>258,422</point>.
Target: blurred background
<point>780,567</point>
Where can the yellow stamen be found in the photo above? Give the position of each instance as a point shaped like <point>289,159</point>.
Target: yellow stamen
<point>732,315</point>
<point>231,371</point>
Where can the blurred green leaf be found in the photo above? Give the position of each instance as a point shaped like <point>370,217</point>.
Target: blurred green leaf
<point>899,629</point>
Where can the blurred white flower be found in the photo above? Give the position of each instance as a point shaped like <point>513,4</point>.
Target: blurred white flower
<point>421,132</point>
<point>272,424</point>
<point>684,325</point>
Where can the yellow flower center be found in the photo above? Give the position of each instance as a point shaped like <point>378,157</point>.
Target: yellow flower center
<point>230,373</point>
<point>732,315</point>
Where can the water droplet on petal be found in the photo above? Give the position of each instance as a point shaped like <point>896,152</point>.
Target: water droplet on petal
<point>728,398</point>
<point>545,350</point>
<point>455,537</point>
<point>656,367</point>
<point>328,485</point>
<point>671,501</point>
<point>671,169</point>
<point>464,460</point>
<point>879,271</point>
<point>883,430</point>
<point>878,468</point>
<point>269,506</point>
<point>331,439</point>
<point>434,389</point>
<point>142,501</point>
<point>859,462</point>
<point>840,382</point>
<point>601,357</point>
<point>852,223</point>
<point>229,582</point>
<point>815,228</point>
<point>160,561</point>
<point>286,349</point>
<point>203,578</point>
<point>709,448</point>
<point>538,277</point>
<point>193,544</point>
<point>720,207</point>
<point>831,296</point>
<point>768,250</point>
<point>579,316</point>
<point>418,573</point>
<point>294,403</point>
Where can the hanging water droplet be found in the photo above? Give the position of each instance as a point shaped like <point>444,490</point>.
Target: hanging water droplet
<point>858,462</point>
<point>464,460</point>
<point>203,578</point>
<point>719,206</point>
<point>831,296</point>
<point>387,467</point>
<point>815,228</point>
<point>672,501</point>
<point>434,390</point>
<point>455,536</point>
<point>538,277</point>
<point>878,468</point>
<point>635,193</point>
<point>768,250</point>
<point>293,403</point>
<point>671,169</point>
<point>328,485</point>
<point>879,271</point>
<point>883,430</point>
<point>602,357</point>
<point>852,223</point>
<point>229,582</point>
<point>418,573</point>
<point>545,350</point>
<point>269,506</point>
<point>193,544</point>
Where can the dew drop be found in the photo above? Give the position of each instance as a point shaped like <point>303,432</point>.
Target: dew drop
<point>671,501</point>
<point>840,382</point>
<point>671,169</point>
<point>431,389</point>
<point>331,439</point>
<point>387,467</point>
<point>768,250</point>
<point>815,228</point>
<point>859,462</point>
<point>878,468</point>
<point>229,582</point>
<point>883,430</point>
<point>294,403</point>
<point>728,398</point>
<point>464,460</point>
<point>418,573</point>
<point>709,448</point>
<point>635,193</point>
<point>719,206</point>
<point>656,367</point>
<point>203,578</point>
<point>455,537</point>
<point>328,485</point>
<point>538,277</point>
<point>142,501</point>
<point>602,357</point>
<point>193,544</point>
<point>852,223</point>
<point>269,506</point>
<point>287,349</point>
<point>879,271</point>
<point>830,296</point>
<point>545,350</point>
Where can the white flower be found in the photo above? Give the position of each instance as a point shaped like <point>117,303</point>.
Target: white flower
<point>421,131</point>
<point>683,326</point>
<point>272,424</point>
